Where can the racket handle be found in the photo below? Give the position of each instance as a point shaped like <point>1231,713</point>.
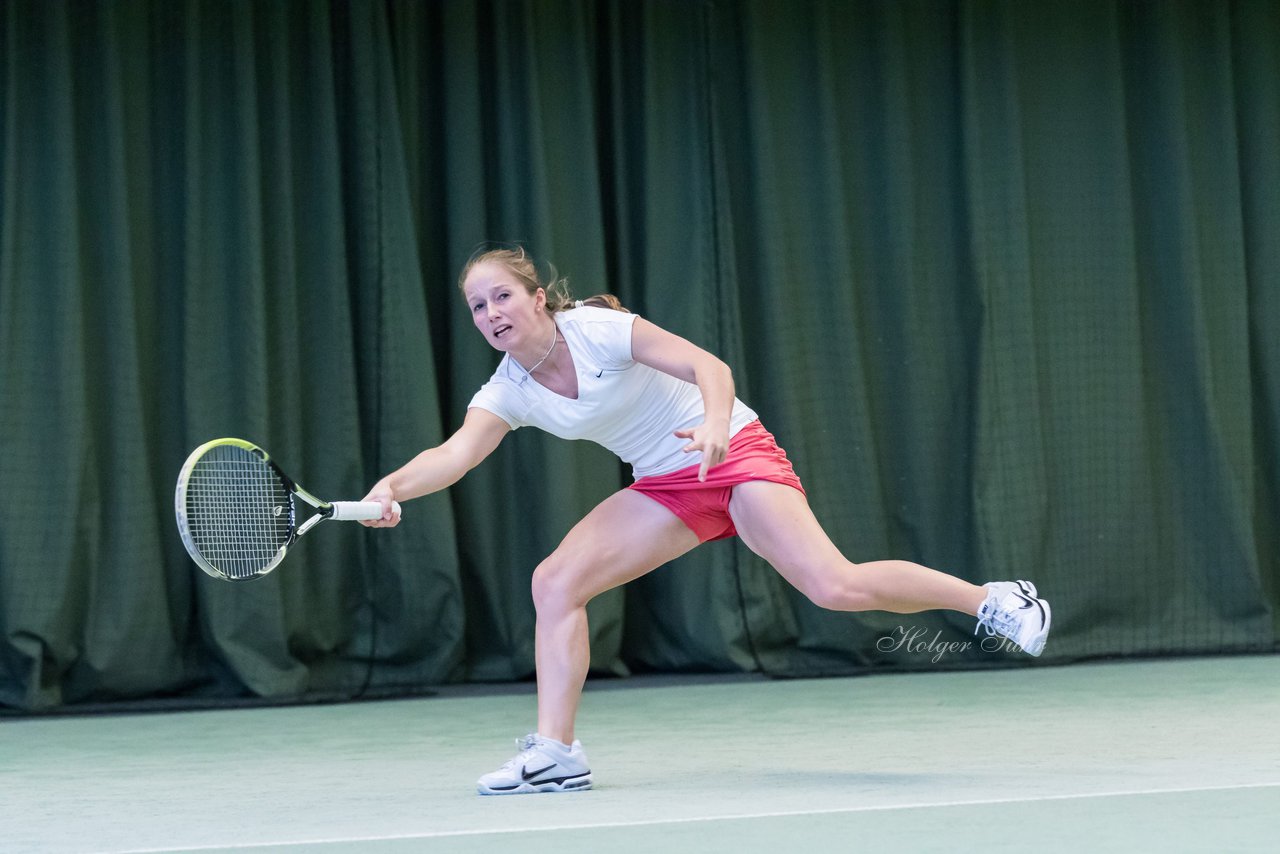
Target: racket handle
<point>356,511</point>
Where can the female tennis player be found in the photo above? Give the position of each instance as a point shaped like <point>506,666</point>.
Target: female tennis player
<point>704,467</point>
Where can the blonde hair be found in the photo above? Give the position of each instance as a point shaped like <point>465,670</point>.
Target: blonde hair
<point>522,266</point>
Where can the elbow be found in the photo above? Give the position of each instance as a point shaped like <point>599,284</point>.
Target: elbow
<point>722,370</point>
<point>713,372</point>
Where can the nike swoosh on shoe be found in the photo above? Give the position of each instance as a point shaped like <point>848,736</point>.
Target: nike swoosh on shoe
<point>528,775</point>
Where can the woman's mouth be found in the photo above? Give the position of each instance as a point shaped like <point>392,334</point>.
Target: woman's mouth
<point>499,331</point>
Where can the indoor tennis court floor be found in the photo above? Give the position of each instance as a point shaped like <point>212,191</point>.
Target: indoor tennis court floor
<point>1165,755</point>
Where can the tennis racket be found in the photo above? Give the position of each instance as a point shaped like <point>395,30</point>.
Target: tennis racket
<point>236,513</point>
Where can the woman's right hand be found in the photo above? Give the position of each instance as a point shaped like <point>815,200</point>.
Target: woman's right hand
<point>382,494</point>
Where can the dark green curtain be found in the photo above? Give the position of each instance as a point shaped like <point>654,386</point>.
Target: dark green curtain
<point>1004,279</point>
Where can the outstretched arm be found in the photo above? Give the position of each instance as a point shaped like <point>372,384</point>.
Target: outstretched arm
<point>438,467</point>
<point>667,352</point>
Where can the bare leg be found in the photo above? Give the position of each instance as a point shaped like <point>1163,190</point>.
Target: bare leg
<point>776,523</point>
<point>623,538</point>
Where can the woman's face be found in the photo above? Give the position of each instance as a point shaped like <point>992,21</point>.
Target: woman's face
<point>502,309</point>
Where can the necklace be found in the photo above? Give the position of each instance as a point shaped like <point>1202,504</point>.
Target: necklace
<point>554,337</point>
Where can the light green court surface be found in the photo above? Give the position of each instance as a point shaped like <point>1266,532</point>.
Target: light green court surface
<point>1171,755</point>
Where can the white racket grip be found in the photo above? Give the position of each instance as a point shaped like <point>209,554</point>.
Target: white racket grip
<point>357,511</point>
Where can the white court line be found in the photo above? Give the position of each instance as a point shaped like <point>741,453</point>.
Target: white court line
<point>695,819</point>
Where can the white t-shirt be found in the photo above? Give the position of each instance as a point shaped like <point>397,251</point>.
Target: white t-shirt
<point>629,408</point>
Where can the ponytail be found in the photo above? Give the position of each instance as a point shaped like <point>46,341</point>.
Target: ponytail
<point>600,301</point>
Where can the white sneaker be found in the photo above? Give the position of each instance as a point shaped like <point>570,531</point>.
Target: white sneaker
<point>542,765</point>
<point>1013,610</point>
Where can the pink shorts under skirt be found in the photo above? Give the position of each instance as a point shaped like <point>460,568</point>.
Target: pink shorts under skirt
<point>704,506</point>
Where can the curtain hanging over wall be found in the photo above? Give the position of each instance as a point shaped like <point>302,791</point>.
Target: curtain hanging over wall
<point>1002,278</point>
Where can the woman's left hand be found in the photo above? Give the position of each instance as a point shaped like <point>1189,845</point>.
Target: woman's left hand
<point>712,440</point>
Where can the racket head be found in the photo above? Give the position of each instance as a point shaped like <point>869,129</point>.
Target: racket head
<point>234,509</point>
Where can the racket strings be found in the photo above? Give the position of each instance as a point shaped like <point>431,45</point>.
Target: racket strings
<point>239,513</point>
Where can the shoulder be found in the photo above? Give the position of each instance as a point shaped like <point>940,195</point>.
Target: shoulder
<point>589,316</point>
<point>504,394</point>
<point>602,335</point>
<point>507,378</point>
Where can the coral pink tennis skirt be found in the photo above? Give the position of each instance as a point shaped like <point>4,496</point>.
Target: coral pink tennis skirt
<point>704,506</point>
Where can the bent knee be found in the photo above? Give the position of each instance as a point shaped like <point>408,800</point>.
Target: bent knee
<point>555,586</point>
<point>838,591</point>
